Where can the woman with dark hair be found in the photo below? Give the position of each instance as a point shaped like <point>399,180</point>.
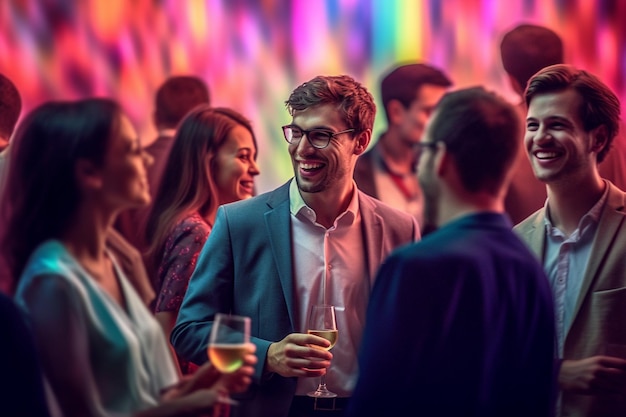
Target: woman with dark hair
<point>75,166</point>
<point>212,162</point>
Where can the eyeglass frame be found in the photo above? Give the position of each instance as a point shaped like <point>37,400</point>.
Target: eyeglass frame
<point>306,132</point>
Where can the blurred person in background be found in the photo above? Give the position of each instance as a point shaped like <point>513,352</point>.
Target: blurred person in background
<point>10,108</point>
<point>173,100</point>
<point>212,162</point>
<point>387,171</point>
<point>129,258</point>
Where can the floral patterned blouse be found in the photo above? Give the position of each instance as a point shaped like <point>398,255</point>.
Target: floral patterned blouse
<point>180,254</point>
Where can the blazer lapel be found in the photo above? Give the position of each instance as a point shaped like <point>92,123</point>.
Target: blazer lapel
<point>534,235</point>
<point>373,236</point>
<point>610,223</point>
<point>278,224</point>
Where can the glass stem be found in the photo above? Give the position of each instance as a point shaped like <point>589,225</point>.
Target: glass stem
<point>322,383</point>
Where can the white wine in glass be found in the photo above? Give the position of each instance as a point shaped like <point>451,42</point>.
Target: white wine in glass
<point>322,323</point>
<point>229,344</point>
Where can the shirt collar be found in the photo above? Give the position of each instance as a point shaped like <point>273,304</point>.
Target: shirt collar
<point>591,217</point>
<point>297,204</point>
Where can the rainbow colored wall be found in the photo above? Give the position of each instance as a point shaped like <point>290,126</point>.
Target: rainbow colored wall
<point>253,53</point>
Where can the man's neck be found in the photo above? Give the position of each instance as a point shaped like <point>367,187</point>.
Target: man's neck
<point>328,205</point>
<point>399,157</point>
<point>569,202</point>
<point>454,207</point>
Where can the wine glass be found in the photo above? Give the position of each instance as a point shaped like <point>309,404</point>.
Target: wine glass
<point>228,345</point>
<point>322,322</point>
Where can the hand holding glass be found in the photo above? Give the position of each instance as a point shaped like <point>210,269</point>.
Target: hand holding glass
<point>229,343</point>
<point>322,322</point>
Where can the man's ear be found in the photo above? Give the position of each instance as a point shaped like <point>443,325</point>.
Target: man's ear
<point>395,112</point>
<point>600,138</point>
<point>362,140</point>
<point>87,175</point>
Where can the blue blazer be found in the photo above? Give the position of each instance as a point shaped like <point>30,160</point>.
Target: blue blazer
<point>246,268</point>
<point>459,324</point>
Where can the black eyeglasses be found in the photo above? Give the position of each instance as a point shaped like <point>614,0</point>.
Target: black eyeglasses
<point>318,138</point>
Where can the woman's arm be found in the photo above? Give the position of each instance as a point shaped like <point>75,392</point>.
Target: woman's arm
<point>198,393</point>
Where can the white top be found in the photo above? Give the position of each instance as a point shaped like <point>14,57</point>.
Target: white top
<point>330,268</point>
<point>117,359</point>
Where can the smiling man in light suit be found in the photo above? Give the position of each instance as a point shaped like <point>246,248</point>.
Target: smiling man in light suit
<point>580,235</point>
<point>315,240</point>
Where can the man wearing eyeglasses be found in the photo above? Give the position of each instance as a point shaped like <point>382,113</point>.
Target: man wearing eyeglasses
<point>315,240</point>
<point>461,323</point>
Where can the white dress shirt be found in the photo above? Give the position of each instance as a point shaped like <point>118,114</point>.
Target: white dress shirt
<point>330,268</point>
<point>565,263</point>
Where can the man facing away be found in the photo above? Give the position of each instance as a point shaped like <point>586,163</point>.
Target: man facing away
<point>580,235</point>
<point>461,323</point>
<point>173,100</point>
<point>315,240</point>
<point>387,171</point>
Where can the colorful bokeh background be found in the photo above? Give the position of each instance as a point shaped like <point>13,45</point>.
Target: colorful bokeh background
<point>252,53</point>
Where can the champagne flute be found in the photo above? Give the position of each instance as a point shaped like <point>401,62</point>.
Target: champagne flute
<point>228,345</point>
<point>322,322</point>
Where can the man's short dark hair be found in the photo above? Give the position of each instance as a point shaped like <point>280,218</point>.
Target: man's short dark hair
<point>528,48</point>
<point>482,132</point>
<point>600,106</point>
<point>177,96</point>
<point>10,106</point>
<point>402,83</point>
<point>354,103</point>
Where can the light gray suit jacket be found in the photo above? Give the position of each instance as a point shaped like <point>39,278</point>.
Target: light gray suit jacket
<point>600,315</point>
<point>246,268</point>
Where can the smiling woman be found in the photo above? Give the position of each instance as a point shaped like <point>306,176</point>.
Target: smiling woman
<point>74,166</point>
<point>212,162</point>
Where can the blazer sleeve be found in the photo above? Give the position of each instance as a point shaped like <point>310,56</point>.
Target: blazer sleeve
<point>211,291</point>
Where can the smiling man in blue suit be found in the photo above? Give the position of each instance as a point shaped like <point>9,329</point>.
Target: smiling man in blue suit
<point>461,323</point>
<point>315,240</point>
